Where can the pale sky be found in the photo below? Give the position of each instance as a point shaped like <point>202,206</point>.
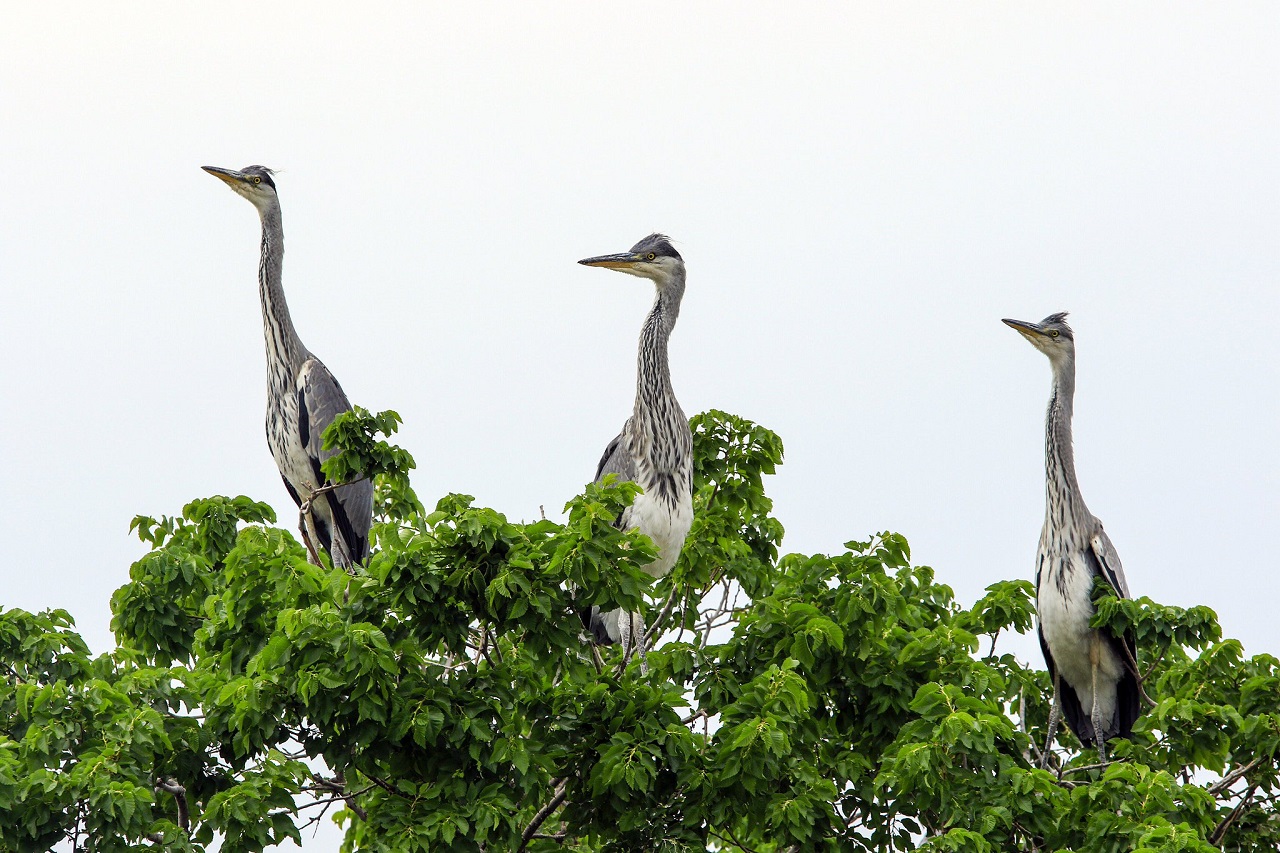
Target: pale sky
<point>861,192</point>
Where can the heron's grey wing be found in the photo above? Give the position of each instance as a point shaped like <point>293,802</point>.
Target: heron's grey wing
<point>1108,560</point>
<point>1128,693</point>
<point>616,460</point>
<point>320,400</point>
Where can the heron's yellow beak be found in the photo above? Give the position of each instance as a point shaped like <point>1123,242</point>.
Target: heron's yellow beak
<point>231,176</point>
<point>620,261</point>
<point>1025,328</point>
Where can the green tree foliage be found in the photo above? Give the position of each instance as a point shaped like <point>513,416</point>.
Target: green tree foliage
<point>443,698</point>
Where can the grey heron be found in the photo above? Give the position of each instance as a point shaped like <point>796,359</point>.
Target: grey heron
<point>303,398</point>
<point>1094,682</point>
<point>655,448</point>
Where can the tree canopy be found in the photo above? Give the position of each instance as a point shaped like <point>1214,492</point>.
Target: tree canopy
<point>444,698</point>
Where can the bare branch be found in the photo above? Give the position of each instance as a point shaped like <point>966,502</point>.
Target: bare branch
<point>1082,768</point>
<point>180,796</point>
<point>384,786</point>
<point>1132,666</point>
<point>557,837</point>
<point>694,718</point>
<point>1227,781</point>
<point>733,840</point>
<point>1033,750</point>
<point>1154,664</point>
<point>1220,831</point>
<point>338,786</point>
<point>657,623</point>
<point>542,814</point>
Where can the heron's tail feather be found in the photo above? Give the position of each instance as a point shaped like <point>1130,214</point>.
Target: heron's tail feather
<point>1128,706</point>
<point>1120,724</point>
<point>1076,717</point>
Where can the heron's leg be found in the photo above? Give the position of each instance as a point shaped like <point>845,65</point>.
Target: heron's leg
<point>1095,713</point>
<point>631,627</point>
<point>624,636</point>
<point>342,557</point>
<point>1054,711</point>
<point>642,649</point>
<point>310,535</point>
<point>631,638</point>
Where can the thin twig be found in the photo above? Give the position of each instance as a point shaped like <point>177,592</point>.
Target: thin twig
<point>384,786</point>
<point>1082,768</point>
<point>1219,832</point>
<point>652,634</point>
<point>693,718</point>
<point>336,798</point>
<point>338,787</point>
<point>1133,669</point>
<point>738,843</point>
<point>1154,664</point>
<point>1033,750</point>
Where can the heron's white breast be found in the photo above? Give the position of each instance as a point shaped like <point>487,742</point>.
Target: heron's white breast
<point>1064,606</point>
<point>667,526</point>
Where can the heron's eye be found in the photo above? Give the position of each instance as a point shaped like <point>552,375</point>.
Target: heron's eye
<point>1053,333</point>
<point>652,256</point>
<point>258,180</point>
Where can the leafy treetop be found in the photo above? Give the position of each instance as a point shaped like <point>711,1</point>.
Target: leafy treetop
<point>443,698</point>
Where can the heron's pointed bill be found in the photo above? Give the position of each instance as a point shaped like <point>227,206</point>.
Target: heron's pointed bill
<point>1024,328</point>
<point>231,176</point>
<point>620,261</point>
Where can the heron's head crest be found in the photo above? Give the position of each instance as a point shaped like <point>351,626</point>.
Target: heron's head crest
<point>1058,321</point>
<point>261,172</point>
<point>657,244</point>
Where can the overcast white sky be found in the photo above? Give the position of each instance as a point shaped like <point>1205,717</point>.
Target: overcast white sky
<point>860,191</point>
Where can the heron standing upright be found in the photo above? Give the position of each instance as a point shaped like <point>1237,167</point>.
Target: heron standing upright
<point>1093,670</point>
<point>655,448</point>
<point>303,398</point>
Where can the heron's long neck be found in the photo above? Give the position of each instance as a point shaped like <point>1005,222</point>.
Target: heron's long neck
<point>653,371</point>
<point>1063,500</point>
<point>285,352</point>
<point>660,432</point>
